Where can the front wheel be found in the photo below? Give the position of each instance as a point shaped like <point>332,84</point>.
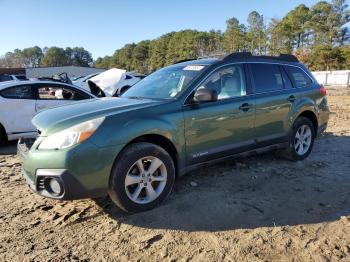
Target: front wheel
<point>142,177</point>
<point>301,141</point>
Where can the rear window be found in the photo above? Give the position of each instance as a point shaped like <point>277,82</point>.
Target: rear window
<point>18,92</point>
<point>267,77</point>
<point>299,77</point>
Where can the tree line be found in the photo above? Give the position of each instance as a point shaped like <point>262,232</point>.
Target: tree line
<point>48,56</point>
<point>317,35</point>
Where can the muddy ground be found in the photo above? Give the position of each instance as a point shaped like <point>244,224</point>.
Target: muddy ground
<point>260,208</point>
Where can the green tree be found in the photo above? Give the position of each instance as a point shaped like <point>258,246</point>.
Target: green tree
<point>181,46</point>
<point>54,56</point>
<point>234,36</point>
<point>280,37</point>
<point>158,50</point>
<point>256,35</point>
<point>31,57</point>
<point>325,57</point>
<point>140,56</point>
<point>105,62</point>
<point>122,58</point>
<point>328,20</point>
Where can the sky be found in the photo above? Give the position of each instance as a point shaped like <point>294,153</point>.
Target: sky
<point>102,26</point>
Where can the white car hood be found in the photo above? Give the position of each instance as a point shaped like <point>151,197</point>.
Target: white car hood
<point>109,81</point>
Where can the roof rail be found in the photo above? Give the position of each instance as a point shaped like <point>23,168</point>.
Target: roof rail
<point>249,56</point>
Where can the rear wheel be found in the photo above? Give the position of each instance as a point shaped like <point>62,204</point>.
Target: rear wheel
<point>142,177</point>
<point>301,140</point>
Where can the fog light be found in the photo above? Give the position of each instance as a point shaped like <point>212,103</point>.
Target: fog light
<point>55,186</point>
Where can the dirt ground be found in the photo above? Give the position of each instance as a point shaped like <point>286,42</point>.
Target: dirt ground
<point>260,208</point>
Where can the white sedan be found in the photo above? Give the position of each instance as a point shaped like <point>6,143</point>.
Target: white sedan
<point>20,101</point>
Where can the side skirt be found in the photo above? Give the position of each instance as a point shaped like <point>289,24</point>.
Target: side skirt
<point>260,150</point>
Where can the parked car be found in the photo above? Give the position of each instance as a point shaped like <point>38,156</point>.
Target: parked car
<point>62,77</point>
<point>20,101</point>
<point>112,82</point>
<point>174,120</point>
<point>4,78</point>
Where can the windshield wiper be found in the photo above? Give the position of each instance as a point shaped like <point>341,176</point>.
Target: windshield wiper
<point>136,97</point>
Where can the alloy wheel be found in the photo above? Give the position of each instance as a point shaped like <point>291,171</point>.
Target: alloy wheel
<point>302,140</point>
<point>146,180</point>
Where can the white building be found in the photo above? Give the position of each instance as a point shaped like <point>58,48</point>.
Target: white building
<point>72,71</point>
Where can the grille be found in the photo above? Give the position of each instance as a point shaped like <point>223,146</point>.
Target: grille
<point>40,183</point>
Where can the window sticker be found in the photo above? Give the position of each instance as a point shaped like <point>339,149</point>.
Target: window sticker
<point>194,68</point>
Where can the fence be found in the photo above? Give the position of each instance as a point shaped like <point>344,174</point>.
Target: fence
<point>334,78</point>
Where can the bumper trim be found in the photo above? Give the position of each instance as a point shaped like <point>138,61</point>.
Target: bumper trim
<point>72,188</point>
<point>321,129</point>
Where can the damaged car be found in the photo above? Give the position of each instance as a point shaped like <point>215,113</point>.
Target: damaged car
<point>20,101</point>
<point>112,82</point>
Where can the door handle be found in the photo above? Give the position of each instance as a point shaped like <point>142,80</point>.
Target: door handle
<point>291,98</point>
<point>244,107</point>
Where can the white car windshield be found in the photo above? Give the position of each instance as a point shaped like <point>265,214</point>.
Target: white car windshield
<point>165,83</point>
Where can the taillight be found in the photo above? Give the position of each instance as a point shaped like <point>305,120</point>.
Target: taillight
<point>323,91</point>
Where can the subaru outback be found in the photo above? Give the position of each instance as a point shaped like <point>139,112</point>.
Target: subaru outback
<point>176,119</point>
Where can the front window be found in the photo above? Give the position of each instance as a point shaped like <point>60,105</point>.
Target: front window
<point>165,83</point>
<point>228,82</point>
<point>53,92</point>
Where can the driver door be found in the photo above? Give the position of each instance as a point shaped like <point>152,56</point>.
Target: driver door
<point>223,127</point>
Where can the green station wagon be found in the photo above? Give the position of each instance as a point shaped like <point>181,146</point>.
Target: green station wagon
<point>176,119</point>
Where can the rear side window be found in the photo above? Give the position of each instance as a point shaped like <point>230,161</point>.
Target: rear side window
<point>299,77</point>
<point>18,92</point>
<point>4,78</point>
<point>267,77</point>
<point>287,84</point>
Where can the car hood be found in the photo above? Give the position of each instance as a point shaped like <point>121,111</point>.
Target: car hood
<point>109,81</point>
<point>56,119</point>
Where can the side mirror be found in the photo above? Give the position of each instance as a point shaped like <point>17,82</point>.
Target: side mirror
<point>203,95</point>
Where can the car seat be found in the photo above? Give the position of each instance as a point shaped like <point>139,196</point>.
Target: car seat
<point>231,86</point>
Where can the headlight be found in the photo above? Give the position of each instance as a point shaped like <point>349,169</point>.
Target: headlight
<point>71,136</point>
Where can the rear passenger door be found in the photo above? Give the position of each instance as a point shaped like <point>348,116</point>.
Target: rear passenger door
<point>274,96</point>
<point>17,109</point>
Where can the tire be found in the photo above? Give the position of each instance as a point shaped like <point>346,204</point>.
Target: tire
<point>130,188</point>
<point>3,136</point>
<point>295,152</point>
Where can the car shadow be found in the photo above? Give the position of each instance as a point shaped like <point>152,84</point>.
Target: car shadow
<point>9,148</point>
<point>259,191</point>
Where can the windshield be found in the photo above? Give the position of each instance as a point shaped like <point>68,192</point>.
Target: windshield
<point>165,83</point>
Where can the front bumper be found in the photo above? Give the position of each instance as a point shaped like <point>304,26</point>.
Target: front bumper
<point>70,187</point>
<point>322,129</point>
<point>82,171</point>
